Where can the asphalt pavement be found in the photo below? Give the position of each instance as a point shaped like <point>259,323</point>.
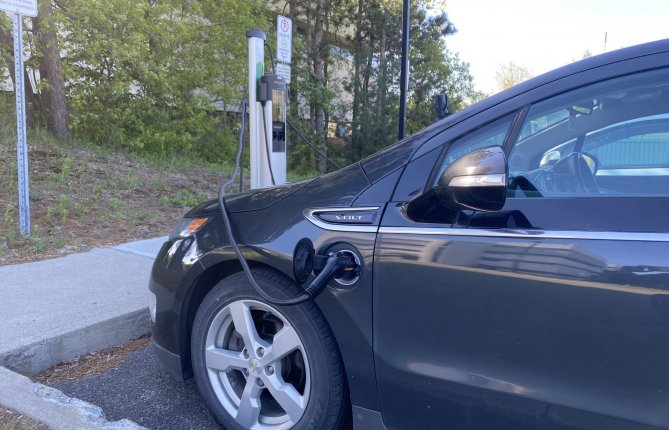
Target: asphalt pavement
<point>141,390</point>
<point>56,310</point>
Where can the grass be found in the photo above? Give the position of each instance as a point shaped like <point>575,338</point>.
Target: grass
<point>12,420</point>
<point>83,196</point>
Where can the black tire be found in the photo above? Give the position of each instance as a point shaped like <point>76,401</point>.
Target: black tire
<point>328,405</point>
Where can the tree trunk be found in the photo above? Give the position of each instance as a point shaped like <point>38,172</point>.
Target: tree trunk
<point>367,73</point>
<point>51,70</point>
<point>319,75</point>
<point>292,88</point>
<point>382,85</point>
<point>7,54</point>
<point>357,59</point>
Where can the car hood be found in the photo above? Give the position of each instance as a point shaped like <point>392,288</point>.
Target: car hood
<point>336,189</point>
<point>251,200</point>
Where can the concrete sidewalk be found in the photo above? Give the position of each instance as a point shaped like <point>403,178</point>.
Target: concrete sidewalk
<point>53,311</point>
<point>51,407</point>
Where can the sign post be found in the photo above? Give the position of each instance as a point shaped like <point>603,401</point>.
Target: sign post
<point>19,8</point>
<point>22,144</point>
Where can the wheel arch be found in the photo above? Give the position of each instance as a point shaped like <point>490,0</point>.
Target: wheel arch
<point>198,290</point>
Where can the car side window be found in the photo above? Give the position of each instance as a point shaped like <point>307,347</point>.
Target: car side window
<point>605,140</point>
<point>491,134</point>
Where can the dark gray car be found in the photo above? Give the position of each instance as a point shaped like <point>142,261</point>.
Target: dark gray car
<point>510,271</point>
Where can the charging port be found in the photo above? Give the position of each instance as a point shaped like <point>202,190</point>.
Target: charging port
<point>350,277</point>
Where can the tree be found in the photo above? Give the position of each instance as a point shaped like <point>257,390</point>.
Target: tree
<point>319,59</point>
<point>149,75</point>
<point>511,74</point>
<point>33,103</point>
<point>374,81</point>
<point>53,103</point>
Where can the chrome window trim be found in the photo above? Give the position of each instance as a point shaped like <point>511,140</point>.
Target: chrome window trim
<point>634,171</point>
<point>530,234</point>
<point>310,215</point>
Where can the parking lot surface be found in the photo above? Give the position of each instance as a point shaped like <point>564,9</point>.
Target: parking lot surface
<point>141,390</point>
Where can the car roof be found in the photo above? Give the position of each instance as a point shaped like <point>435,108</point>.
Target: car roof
<point>569,69</point>
<point>397,153</point>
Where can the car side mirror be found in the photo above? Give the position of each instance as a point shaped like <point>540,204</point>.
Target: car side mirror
<point>475,181</point>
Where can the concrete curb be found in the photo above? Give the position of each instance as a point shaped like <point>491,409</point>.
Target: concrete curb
<point>42,355</point>
<point>53,408</point>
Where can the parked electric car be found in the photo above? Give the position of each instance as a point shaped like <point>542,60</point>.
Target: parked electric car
<point>508,268</point>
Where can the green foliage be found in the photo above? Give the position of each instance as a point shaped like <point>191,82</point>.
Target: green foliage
<point>63,206</point>
<point>146,75</point>
<point>377,52</point>
<point>65,170</point>
<point>184,198</point>
<point>115,204</point>
<point>161,79</point>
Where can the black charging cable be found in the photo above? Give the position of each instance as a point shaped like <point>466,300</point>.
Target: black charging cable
<point>311,145</point>
<point>269,161</point>
<point>271,56</point>
<point>336,265</point>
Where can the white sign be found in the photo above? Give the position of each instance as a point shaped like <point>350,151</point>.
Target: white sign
<point>284,38</point>
<point>283,70</point>
<point>22,7</point>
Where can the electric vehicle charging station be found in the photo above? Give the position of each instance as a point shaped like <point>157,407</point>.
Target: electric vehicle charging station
<point>267,118</point>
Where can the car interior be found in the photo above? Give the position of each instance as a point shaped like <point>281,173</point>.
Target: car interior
<point>615,142</point>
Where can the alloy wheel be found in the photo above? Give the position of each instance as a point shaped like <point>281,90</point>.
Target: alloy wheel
<point>257,365</point>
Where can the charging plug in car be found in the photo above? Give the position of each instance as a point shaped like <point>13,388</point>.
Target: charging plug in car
<point>340,264</point>
<point>336,265</point>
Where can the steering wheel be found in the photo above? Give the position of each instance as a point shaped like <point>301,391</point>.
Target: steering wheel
<point>574,173</point>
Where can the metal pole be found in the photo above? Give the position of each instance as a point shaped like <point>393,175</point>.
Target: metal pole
<point>21,145</point>
<point>404,76</point>
<point>258,161</point>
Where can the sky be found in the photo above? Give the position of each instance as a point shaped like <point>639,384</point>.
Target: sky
<point>544,34</point>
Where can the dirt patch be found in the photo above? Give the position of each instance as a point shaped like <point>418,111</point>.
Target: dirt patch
<point>93,364</point>
<point>12,420</point>
<point>83,198</point>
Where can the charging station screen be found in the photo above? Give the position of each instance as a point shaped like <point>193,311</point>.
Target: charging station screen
<point>278,104</point>
<point>278,121</point>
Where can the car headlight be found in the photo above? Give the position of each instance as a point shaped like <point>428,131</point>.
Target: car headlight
<point>187,227</point>
<point>152,307</point>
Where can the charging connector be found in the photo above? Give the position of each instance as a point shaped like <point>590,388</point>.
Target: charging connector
<point>336,264</point>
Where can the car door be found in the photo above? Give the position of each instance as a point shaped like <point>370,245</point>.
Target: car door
<point>554,311</point>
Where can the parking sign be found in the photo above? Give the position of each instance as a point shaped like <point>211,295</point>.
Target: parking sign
<point>284,39</point>
<point>22,7</point>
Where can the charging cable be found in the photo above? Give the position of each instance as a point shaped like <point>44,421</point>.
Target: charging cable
<point>336,265</point>
<point>269,161</point>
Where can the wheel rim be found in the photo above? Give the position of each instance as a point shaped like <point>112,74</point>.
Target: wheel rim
<point>257,366</point>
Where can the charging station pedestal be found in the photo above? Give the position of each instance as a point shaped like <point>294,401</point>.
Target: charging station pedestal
<point>268,145</point>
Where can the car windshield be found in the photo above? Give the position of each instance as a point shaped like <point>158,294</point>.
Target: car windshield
<point>385,161</point>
